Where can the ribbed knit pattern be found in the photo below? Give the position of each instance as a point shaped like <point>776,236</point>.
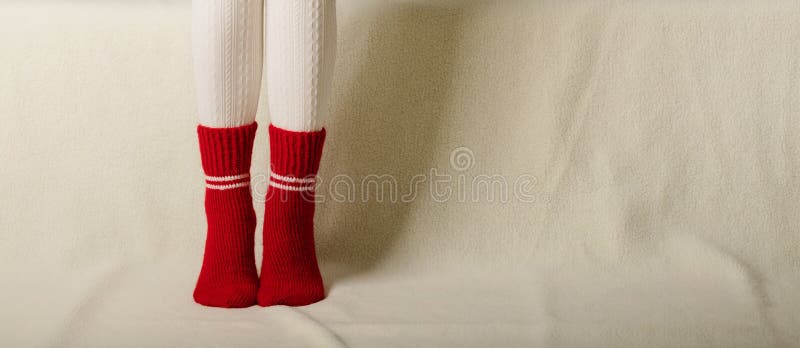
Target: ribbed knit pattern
<point>289,272</point>
<point>228,277</point>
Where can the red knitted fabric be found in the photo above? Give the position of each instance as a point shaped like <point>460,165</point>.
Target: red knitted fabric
<point>289,272</point>
<point>228,277</point>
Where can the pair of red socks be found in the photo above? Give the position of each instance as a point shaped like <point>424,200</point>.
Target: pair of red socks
<point>289,271</point>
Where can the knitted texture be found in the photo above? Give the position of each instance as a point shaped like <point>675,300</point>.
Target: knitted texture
<point>228,277</point>
<point>301,50</point>
<point>289,272</point>
<point>227,47</point>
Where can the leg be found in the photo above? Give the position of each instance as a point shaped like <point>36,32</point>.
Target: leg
<point>227,45</point>
<point>228,48</point>
<point>301,44</point>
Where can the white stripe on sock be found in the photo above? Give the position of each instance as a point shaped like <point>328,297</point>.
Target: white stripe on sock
<point>292,180</point>
<point>290,188</point>
<point>228,187</point>
<point>227,178</point>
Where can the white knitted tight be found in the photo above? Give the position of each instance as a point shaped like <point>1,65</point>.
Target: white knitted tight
<point>228,45</point>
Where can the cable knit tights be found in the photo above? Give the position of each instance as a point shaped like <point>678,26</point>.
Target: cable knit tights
<point>228,45</point>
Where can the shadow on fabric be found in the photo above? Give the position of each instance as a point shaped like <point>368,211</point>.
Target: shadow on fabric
<point>387,116</point>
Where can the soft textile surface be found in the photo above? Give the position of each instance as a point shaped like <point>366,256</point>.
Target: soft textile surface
<point>658,144</point>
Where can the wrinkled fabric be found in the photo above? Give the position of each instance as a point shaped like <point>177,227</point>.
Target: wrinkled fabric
<point>649,152</point>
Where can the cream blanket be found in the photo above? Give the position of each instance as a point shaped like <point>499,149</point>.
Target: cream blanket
<point>608,174</point>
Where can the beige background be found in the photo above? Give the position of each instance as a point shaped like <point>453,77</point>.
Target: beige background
<point>663,136</point>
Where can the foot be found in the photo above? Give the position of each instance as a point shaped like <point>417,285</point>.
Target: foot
<point>228,278</point>
<point>289,272</point>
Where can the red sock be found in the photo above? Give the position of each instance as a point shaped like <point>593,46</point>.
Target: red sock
<point>289,272</point>
<point>228,278</point>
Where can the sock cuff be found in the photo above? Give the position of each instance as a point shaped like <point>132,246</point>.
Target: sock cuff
<point>295,155</point>
<point>226,152</point>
